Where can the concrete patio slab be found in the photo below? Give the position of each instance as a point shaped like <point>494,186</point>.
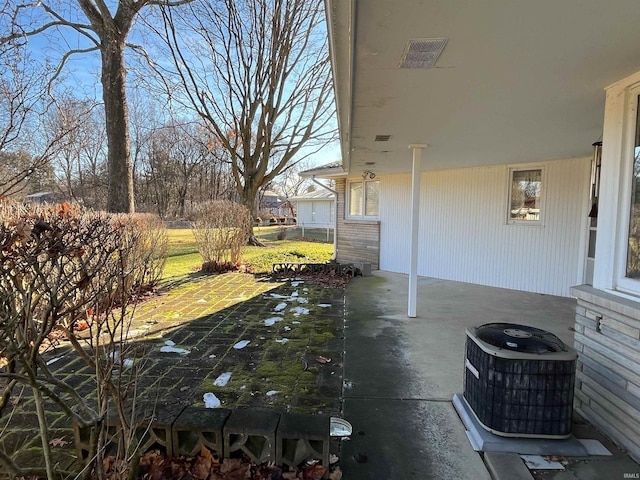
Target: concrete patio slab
<point>401,374</point>
<point>395,438</point>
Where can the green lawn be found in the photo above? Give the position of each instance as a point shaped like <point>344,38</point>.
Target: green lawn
<point>183,257</point>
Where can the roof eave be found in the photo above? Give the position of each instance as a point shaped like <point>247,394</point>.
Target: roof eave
<point>323,173</point>
<point>340,16</point>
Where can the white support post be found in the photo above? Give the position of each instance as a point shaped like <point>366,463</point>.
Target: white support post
<point>415,227</point>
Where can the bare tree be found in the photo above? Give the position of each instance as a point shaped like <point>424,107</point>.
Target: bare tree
<point>23,106</point>
<point>75,116</point>
<point>181,165</point>
<point>258,73</point>
<point>92,176</point>
<point>16,171</point>
<point>101,28</point>
<point>215,181</point>
<point>290,183</point>
<point>144,120</point>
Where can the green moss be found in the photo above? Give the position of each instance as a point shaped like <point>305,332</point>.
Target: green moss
<point>269,368</point>
<point>230,328</point>
<point>313,370</point>
<point>297,344</point>
<point>273,354</point>
<point>320,338</point>
<point>307,376</point>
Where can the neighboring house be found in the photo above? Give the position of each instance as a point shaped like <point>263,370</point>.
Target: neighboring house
<point>315,209</point>
<point>466,135</point>
<point>275,206</point>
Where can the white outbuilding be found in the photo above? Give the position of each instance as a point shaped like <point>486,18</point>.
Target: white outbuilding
<point>315,210</point>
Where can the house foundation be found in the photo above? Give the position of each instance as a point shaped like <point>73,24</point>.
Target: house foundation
<point>607,337</point>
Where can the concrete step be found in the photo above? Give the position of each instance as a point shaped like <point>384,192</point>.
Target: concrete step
<point>506,466</point>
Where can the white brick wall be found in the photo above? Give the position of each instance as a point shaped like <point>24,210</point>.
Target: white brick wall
<point>607,337</point>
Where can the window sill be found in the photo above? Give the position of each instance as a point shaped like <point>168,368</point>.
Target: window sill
<point>525,223</point>
<point>361,221</point>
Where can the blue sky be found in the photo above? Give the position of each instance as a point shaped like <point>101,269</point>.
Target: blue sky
<point>82,71</point>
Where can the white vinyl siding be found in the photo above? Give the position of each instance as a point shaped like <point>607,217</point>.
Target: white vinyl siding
<point>315,213</point>
<point>463,235</point>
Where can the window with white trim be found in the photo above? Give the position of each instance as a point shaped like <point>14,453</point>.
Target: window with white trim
<point>617,260</point>
<point>628,235</point>
<point>525,196</point>
<point>632,268</point>
<point>363,199</point>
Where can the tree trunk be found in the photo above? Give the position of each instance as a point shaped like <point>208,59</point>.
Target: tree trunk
<point>120,198</point>
<point>248,195</point>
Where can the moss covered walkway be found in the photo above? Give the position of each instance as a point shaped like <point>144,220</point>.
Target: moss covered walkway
<point>233,339</point>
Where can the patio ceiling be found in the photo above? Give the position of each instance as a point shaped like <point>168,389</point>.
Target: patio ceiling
<point>517,81</point>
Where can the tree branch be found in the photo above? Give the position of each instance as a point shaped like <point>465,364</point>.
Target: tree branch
<point>167,3</point>
<point>63,62</point>
<point>58,22</point>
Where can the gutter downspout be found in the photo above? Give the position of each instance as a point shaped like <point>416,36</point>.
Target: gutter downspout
<point>335,216</point>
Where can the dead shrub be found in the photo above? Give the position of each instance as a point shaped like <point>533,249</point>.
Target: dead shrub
<point>61,266</point>
<point>150,250</point>
<point>221,229</point>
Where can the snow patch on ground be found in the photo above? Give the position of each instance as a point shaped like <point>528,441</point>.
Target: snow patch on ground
<point>169,347</point>
<point>222,379</point>
<point>270,322</point>
<point>282,341</point>
<point>297,311</point>
<point>241,344</point>
<point>280,307</point>
<point>211,401</point>
<point>271,393</point>
<point>324,305</point>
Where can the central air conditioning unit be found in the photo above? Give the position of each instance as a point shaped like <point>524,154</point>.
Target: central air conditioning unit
<point>519,380</point>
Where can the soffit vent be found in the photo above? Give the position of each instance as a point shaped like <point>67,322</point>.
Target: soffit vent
<point>382,138</point>
<point>422,52</point>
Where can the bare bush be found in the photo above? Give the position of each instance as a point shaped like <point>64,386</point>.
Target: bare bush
<point>151,250</point>
<point>221,229</point>
<point>61,267</point>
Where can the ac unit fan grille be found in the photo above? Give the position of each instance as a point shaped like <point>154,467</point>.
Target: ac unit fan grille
<point>527,397</point>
